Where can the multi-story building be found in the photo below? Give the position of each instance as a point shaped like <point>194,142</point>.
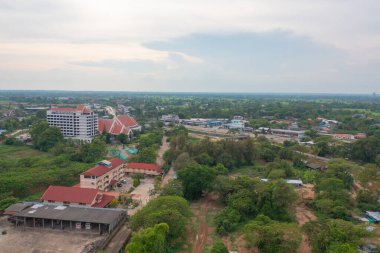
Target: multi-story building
<point>103,176</point>
<point>77,123</point>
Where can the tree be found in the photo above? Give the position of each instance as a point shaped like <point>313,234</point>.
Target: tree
<point>204,159</point>
<point>172,210</point>
<point>90,152</point>
<point>173,188</point>
<point>219,247</point>
<point>49,138</point>
<point>272,236</point>
<point>227,220</point>
<point>5,202</point>
<point>342,248</point>
<point>150,240</point>
<point>195,179</point>
<point>122,138</point>
<point>324,235</point>
<point>182,160</point>
<point>147,155</point>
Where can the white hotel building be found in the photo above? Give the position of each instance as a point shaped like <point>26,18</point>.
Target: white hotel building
<point>78,123</point>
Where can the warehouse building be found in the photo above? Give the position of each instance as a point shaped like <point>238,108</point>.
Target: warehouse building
<point>69,218</point>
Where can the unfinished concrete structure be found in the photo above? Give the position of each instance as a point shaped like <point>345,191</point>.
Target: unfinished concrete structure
<point>69,218</point>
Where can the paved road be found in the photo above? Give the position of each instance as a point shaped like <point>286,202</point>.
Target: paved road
<point>323,159</point>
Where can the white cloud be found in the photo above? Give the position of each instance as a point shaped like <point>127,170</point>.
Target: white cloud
<point>50,35</point>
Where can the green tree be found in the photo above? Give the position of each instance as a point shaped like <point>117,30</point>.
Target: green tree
<point>147,155</point>
<point>342,248</point>
<point>173,188</point>
<point>326,234</point>
<point>227,220</point>
<point>219,247</point>
<point>195,179</point>
<point>91,152</point>
<point>172,210</point>
<point>272,236</point>
<point>122,138</point>
<point>150,240</point>
<point>49,138</point>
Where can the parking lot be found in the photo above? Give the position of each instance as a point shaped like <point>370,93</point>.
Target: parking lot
<point>124,187</point>
<point>143,191</point>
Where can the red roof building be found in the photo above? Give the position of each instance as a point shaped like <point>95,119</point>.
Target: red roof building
<point>103,167</point>
<point>75,196</point>
<point>144,168</point>
<point>121,124</point>
<point>101,176</point>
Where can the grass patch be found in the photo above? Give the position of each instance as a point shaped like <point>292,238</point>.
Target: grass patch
<point>25,172</point>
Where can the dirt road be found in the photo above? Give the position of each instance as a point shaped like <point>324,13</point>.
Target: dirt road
<point>304,215</point>
<point>205,211</point>
<point>202,233</point>
<point>161,151</point>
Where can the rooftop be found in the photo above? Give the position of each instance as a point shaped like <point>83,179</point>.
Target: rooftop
<point>100,169</point>
<point>70,194</point>
<point>80,108</point>
<point>145,166</point>
<point>70,213</point>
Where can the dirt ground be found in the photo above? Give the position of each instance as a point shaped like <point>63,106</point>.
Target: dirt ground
<point>304,214</point>
<point>161,151</point>
<point>204,212</point>
<point>238,245</point>
<point>42,241</point>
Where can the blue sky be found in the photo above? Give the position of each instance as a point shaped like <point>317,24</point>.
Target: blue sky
<point>203,46</point>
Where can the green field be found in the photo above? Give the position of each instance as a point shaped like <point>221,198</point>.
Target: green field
<point>25,173</point>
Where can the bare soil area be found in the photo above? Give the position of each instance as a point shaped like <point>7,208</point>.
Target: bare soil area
<point>43,241</point>
<point>204,211</point>
<point>304,214</point>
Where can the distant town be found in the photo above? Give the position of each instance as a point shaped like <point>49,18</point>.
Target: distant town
<point>98,172</point>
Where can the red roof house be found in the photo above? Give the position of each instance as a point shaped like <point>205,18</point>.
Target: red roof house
<point>75,196</point>
<point>145,168</point>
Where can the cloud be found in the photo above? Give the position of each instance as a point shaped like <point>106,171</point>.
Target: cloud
<point>274,45</point>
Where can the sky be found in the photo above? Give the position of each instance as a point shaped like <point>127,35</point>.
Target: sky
<point>303,46</point>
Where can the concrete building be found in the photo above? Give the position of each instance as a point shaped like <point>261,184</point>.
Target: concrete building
<point>77,123</point>
<point>103,176</point>
<point>170,118</point>
<point>236,124</point>
<point>144,168</point>
<point>68,218</point>
<point>344,137</point>
<point>288,133</point>
<point>76,196</point>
